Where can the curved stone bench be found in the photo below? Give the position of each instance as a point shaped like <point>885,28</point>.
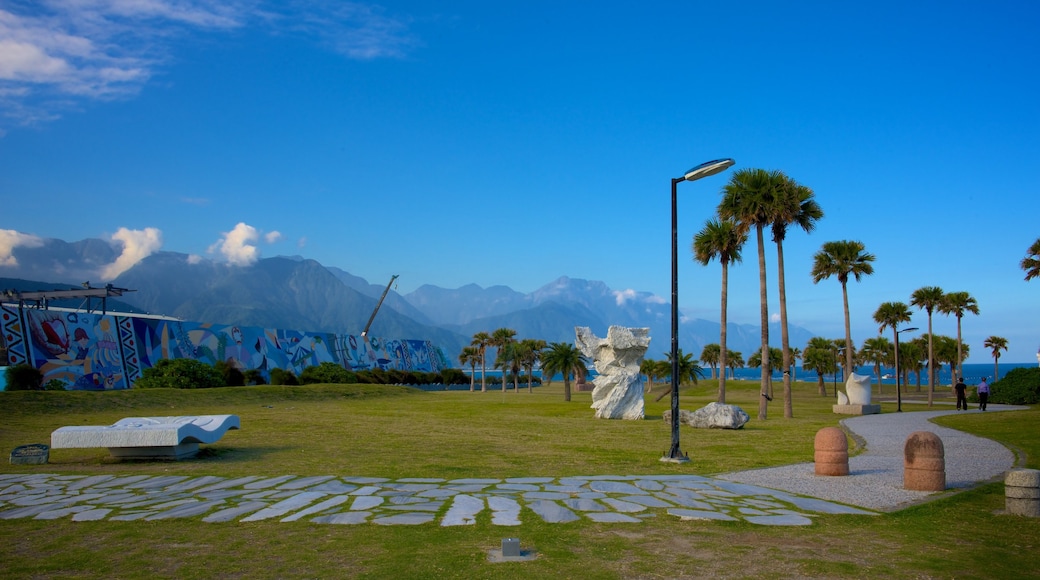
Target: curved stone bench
<point>148,437</point>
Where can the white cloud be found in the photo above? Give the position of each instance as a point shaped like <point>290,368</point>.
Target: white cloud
<point>272,237</point>
<point>302,242</point>
<point>55,54</point>
<point>622,296</point>
<point>238,245</point>
<point>194,259</point>
<point>774,318</point>
<point>137,245</point>
<point>10,239</point>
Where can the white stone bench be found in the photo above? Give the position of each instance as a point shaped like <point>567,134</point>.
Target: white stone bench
<point>148,437</point>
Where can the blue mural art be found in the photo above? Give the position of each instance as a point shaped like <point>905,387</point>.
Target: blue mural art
<point>92,351</point>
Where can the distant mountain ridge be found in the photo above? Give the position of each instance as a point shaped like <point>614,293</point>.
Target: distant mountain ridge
<point>297,293</point>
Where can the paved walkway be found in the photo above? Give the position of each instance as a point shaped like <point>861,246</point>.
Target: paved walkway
<point>789,495</point>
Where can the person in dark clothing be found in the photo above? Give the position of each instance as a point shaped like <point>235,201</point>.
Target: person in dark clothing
<point>961,388</point>
<point>983,391</point>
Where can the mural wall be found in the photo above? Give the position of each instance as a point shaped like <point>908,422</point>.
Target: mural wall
<point>93,351</point>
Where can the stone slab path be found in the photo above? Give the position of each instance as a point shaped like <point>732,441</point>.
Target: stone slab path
<point>359,500</point>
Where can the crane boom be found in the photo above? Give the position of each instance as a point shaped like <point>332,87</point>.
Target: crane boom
<point>364,333</point>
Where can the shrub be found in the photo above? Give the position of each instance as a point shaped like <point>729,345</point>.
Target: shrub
<point>23,377</point>
<point>454,377</point>
<point>1020,386</point>
<point>180,373</point>
<point>283,377</point>
<point>232,376</point>
<point>254,377</point>
<point>54,385</point>
<point>327,372</point>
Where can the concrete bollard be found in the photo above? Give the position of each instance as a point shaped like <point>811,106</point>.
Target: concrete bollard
<point>924,462</point>
<point>1022,492</point>
<point>831,452</point>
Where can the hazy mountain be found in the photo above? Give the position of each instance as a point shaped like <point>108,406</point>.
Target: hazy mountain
<point>298,293</point>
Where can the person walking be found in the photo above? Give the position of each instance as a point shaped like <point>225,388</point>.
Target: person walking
<point>983,393</point>
<point>961,389</point>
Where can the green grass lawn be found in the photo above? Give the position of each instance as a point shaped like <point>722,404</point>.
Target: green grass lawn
<point>362,430</point>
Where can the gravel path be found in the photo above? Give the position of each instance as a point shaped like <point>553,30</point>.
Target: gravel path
<point>875,479</point>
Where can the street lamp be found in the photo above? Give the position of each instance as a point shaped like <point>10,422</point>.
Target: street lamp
<point>899,393</point>
<point>702,170</point>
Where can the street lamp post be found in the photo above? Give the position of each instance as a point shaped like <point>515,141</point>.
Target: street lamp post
<point>899,393</point>
<point>702,170</point>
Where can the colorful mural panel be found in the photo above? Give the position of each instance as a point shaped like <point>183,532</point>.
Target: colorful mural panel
<point>91,351</point>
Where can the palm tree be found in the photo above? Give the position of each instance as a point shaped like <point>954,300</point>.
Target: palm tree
<point>948,350</point>
<point>957,303</point>
<point>995,344</point>
<point>689,370</point>
<point>794,206</point>
<point>840,259</point>
<point>929,298</point>
<point>819,357</point>
<point>891,315</point>
<point>910,355</point>
<point>774,358</point>
<point>564,358</point>
<point>508,359</point>
<point>722,240</point>
<point>734,360</point>
<point>530,352</point>
<point>482,341</point>
<point>649,368</point>
<point>748,199</point>
<point>470,355</point>
<point>796,355</point>
<point>499,339</point>
<point>878,351</point>
<point>710,355</point>
<point>1031,263</point>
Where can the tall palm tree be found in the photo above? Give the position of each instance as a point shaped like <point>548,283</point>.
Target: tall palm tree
<point>482,341</point>
<point>748,199</point>
<point>841,259</point>
<point>499,339</point>
<point>996,344</point>
<point>770,363</point>
<point>722,240</point>
<point>470,355</point>
<point>530,353</point>
<point>957,303</point>
<point>710,355</point>
<point>929,298</point>
<point>734,360</point>
<point>509,359</point>
<point>891,315</point>
<point>794,206</point>
<point>566,359</point>
<point>796,355</point>
<point>1031,263</point>
<point>877,351</point>
<point>819,357</point>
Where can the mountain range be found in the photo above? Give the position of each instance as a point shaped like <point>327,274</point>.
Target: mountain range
<point>297,293</point>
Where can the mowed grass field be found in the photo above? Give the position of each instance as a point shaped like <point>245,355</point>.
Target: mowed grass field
<point>395,432</point>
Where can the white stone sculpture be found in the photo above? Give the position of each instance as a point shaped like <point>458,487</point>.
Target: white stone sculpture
<point>618,391</point>
<point>712,416</point>
<point>148,437</point>
<point>858,389</point>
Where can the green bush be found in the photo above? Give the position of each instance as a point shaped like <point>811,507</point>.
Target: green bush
<point>232,376</point>
<point>454,377</point>
<point>180,373</point>
<point>54,385</point>
<point>23,377</point>
<point>327,372</point>
<point>283,377</point>
<point>1020,386</point>
<point>254,377</point>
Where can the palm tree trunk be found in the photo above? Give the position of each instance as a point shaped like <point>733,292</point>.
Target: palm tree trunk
<point>960,357</point>
<point>483,371</point>
<point>784,342</point>
<point>763,400</point>
<point>848,332</point>
<point>722,334</point>
<point>931,361</point>
<point>566,386</point>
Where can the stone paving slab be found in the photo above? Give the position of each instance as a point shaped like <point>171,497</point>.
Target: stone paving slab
<point>408,501</point>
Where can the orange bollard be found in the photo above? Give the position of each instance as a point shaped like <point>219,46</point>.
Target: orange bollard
<point>831,452</point>
<point>924,462</point>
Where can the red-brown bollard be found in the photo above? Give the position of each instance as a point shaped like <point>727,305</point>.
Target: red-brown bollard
<point>924,462</point>
<point>832,452</point>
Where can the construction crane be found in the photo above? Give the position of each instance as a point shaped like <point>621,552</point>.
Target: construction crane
<point>364,333</point>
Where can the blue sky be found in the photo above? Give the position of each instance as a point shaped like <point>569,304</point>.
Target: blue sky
<point>515,142</point>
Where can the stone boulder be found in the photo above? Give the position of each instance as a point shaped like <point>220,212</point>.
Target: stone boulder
<point>712,416</point>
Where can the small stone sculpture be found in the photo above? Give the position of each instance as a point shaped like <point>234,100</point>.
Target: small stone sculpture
<point>148,437</point>
<point>618,391</point>
<point>858,389</point>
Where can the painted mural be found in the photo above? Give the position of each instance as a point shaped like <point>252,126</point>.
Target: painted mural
<point>93,351</point>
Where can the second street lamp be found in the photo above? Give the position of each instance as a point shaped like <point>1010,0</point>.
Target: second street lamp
<point>702,170</point>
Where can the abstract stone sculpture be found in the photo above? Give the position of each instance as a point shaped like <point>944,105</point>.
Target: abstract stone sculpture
<point>618,391</point>
<point>148,437</point>
<point>711,416</point>
<point>857,402</point>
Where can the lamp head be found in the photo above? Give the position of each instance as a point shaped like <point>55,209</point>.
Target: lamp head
<point>708,168</point>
